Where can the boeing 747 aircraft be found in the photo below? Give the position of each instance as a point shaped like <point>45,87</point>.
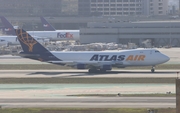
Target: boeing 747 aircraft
<point>95,61</point>
<point>56,35</point>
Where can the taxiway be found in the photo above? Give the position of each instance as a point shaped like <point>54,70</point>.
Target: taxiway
<point>85,74</point>
<point>91,102</point>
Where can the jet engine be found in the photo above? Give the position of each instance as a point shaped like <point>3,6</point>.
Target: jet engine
<point>106,67</point>
<point>81,66</point>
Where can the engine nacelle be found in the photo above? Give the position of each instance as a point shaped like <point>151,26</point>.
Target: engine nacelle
<point>119,65</point>
<point>81,66</point>
<point>106,67</point>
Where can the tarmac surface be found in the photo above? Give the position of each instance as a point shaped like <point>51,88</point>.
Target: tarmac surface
<point>62,90</point>
<point>35,95</point>
<point>84,74</point>
<point>91,102</point>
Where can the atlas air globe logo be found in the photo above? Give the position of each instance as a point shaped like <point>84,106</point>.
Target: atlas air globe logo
<point>26,39</point>
<point>66,35</point>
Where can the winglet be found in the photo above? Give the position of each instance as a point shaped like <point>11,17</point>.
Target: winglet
<point>46,25</point>
<point>8,28</point>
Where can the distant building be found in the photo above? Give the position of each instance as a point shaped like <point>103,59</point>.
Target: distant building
<point>82,7</point>
<point>123,7</point>
<point>69,7</point>
<point>159,33</point>
<point>30,7</point>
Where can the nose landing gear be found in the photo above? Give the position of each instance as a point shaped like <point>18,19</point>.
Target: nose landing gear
<point>153,69</point>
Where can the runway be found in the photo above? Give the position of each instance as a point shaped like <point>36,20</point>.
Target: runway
<point>54,95</point>
<point>91,102</point>
<point>85,74</point>
<point>62,90</point>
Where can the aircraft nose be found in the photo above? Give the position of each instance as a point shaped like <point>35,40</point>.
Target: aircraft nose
<point>165,58</point>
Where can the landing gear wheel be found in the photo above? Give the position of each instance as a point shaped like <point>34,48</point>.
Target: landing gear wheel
<point>152,70</point>
<point>102,70</point>
<point>92,70</point>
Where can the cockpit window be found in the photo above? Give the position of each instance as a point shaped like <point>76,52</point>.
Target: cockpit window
<point>157,52</point>
<point>2,40</point>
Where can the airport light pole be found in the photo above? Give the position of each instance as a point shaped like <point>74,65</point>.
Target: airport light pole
<point>170,34</point>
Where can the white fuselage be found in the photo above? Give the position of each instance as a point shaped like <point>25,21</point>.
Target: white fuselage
<point>3,42</point>
<point>57,35</point>
<point>12,40</point>
<point>43,36</point>
<point>134,57</point>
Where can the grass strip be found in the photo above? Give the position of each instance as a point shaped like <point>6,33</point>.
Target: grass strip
<point>85,80</point>
<point>124,95</point>
<point>85,110</point>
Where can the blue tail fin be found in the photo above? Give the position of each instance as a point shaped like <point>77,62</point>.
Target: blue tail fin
<point>46,25</point>
<point>33,49</point>
<point>28,43</point>
<point>8,28</point>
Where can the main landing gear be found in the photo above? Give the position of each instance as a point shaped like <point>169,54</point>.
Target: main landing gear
<point>153,69</point>
<point>94,70</point>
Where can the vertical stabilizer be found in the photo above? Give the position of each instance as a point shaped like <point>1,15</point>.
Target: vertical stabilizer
<point>28,43</point>
<point>8,28</point>
<point>32,48</point>
<point>46,25</point>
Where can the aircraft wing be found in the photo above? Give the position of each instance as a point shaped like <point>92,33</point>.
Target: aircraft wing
<point>75,62</point>
<point>88,63</point>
